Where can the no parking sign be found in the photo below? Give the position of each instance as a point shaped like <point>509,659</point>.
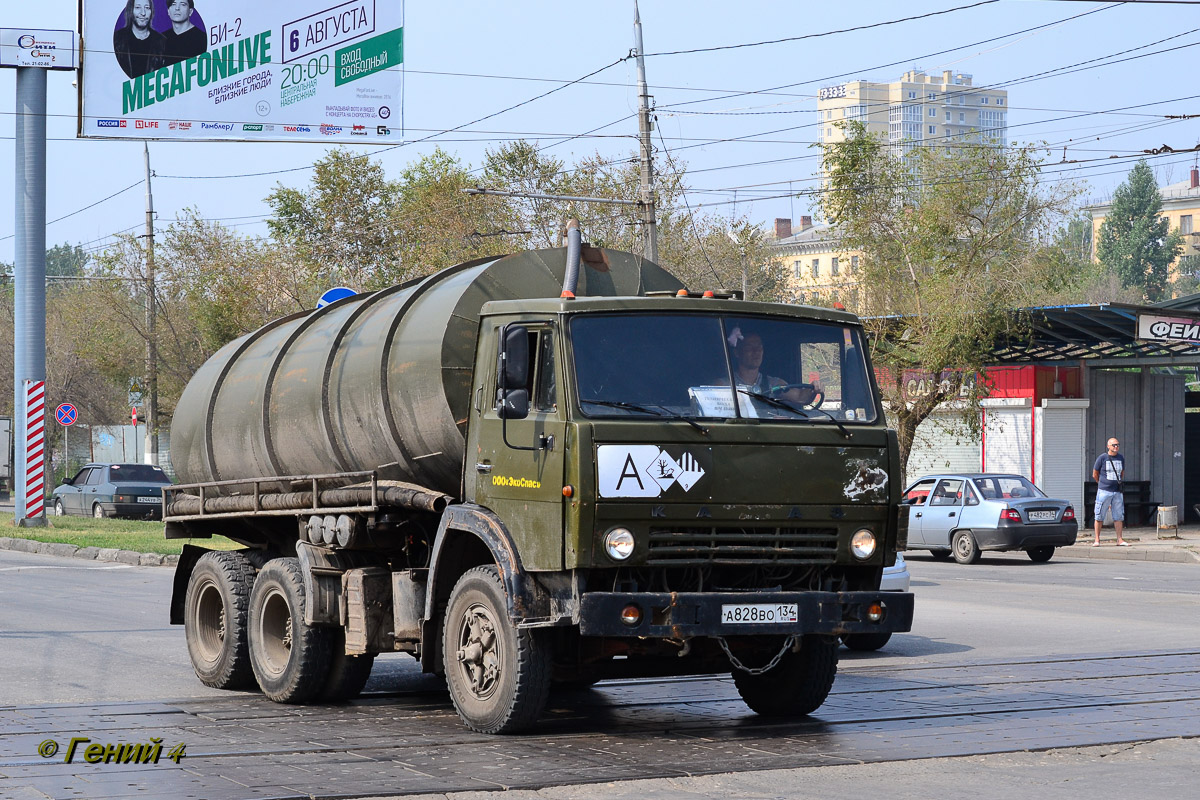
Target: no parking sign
<point>66,414</point>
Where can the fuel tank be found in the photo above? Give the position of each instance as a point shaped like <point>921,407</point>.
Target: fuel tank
<point>375,381</point>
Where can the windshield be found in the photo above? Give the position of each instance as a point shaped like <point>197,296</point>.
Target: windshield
<point>710,367</point>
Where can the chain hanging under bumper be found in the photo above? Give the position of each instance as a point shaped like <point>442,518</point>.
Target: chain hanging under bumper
<point>788,644</point>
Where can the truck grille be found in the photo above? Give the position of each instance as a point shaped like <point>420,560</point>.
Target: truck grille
<point>704,546</point>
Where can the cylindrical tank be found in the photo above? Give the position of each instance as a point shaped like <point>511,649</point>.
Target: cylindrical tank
<point>376,381</point>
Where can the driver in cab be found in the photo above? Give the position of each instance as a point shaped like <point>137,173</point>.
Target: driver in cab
<point>748,353</point>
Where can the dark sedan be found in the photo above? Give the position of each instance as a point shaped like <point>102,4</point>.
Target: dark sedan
<point>112,490</point>
<point>963,515</point>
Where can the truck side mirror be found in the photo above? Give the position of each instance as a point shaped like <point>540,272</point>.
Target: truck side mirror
<point>512,368</point>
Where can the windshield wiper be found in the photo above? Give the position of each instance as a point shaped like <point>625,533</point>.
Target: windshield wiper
<point>665,414</point>
<point>780,403</point>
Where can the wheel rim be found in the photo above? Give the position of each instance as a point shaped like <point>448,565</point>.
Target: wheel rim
<point>210,622</point>
<point>58,509</point>
<point>480,651</point>
<point>98,512</point>
<point>962,546</point>
<point>275,632</point>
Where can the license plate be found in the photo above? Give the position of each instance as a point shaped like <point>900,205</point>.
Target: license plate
<point>759,613</point>
<point>149,499</point>
<point>1043,516</point>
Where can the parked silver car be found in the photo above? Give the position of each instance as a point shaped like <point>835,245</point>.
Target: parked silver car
<point>963,515</point>
<point>896,578</point>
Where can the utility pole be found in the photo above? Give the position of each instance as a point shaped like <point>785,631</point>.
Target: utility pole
<point>151,325</point>
<point>646,193</point>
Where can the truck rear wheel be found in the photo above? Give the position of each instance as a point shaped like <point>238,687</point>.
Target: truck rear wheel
<point>216,608</point>
<point>290,659</point>
<point>797,685</point>
<point>347,674</point>
<point>498,676</point>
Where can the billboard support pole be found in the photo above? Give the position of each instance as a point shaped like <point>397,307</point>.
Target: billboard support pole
<point>151,450</point>
<point>29,352</point>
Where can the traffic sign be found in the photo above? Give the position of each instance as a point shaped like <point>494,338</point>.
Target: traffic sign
<point>134,415</point>
<point>66,414</point>
<point>335,294</point>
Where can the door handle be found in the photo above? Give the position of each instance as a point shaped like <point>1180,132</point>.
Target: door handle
<point>952,513</point>
<point>483,468</point>
<point>918,513</point>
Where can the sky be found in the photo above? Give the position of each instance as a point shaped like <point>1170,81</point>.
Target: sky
<point>721,113</point>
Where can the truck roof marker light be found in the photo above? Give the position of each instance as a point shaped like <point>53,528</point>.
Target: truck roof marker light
<point>682,293</point>
<point>708,293</point>
<point>839,306</point>
<point>568,490</point>
<point>567,295</point>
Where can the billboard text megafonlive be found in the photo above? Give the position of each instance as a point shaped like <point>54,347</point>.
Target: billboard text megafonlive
<point>226,69</point>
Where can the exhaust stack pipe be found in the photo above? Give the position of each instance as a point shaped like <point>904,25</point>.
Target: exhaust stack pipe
<point>574,246</point>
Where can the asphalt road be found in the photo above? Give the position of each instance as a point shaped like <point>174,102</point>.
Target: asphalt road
<point>1005,656</point>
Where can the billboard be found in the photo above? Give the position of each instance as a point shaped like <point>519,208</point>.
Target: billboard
<point>20,47</point>
<point>303,70</point>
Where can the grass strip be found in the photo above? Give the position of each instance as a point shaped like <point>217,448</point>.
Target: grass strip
<point>124,534</point>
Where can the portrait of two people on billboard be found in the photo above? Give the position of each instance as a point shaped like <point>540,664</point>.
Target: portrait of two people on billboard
<point>151,34</point>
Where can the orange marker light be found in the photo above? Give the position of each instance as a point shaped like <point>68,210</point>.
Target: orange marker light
<point>682,293</point>
<point>568,490</point>
<point>709,293</point>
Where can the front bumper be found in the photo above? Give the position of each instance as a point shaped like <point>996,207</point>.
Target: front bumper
<point>679,615</point>
<point>1022,537</point>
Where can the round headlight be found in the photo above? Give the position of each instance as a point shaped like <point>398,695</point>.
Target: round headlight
<point>618,543</point>
<point>863,544</point>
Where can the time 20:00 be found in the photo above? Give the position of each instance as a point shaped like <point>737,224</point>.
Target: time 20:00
<point>313,68</point>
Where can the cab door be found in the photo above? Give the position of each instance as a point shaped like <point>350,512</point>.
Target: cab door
<point>522,480</point>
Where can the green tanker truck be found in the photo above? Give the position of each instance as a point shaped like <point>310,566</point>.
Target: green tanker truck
<point>555,466</point>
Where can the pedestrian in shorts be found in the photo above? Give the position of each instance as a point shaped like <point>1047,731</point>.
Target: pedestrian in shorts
<point>1108,472</point>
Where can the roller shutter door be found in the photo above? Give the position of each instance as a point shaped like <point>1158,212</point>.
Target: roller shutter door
<point>942,445</point>
<point>1008,440</point>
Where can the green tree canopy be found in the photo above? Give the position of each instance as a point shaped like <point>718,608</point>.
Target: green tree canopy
<point>950,239</point>
<point>1135,239</point>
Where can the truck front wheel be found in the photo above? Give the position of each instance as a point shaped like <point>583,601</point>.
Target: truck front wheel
<point>499,677</point>
<point>797,685</point>
<point>214,620</point>
<point>290,659</point>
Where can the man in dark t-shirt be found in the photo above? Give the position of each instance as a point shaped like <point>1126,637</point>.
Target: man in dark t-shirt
<point>138,47</point>
<point>184,39</point>
<point>1109,474</point>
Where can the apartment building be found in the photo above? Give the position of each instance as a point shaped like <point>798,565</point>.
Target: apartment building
<point>918,109</point>
<point>817,271</point>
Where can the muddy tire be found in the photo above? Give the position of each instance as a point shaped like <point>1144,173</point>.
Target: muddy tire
<point>798,685</point>
<point>215,618</point>
<point>498,676</point>
<point>347,674</point>
<point>290,659</point>
<point>966,549</point>
<point>1040,555</point>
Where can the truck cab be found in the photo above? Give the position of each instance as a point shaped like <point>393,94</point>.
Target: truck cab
<point>688,476</point>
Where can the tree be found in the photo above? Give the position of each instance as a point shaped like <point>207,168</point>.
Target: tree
<point>949,240</point>
<point>340,229</point>
<point>1135,239</point>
